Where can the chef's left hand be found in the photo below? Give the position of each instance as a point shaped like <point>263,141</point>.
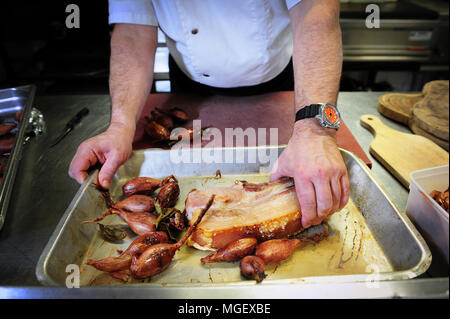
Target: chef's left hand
<point>313,159</point>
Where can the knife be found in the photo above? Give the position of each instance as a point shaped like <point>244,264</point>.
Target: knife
<point>71,124</point>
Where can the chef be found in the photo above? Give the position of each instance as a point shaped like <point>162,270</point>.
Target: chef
<point>233,46</point>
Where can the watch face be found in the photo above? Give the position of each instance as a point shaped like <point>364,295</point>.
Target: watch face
<point>331,114</point>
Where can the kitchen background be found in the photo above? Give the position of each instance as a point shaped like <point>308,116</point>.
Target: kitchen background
<point>410,49</point>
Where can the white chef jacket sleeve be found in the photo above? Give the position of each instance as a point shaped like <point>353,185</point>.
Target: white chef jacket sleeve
<point>291,3</point>
<point>132,11</point>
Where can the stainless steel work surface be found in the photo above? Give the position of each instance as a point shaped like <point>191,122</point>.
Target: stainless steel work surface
<point>369,237</point>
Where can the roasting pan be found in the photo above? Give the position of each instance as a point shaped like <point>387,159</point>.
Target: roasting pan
<point>13,100</point>
<point>370,239</point>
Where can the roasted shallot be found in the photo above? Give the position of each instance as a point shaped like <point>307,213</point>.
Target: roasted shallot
<point>123,261</point>
<point>252,267</point>
<point>234,251</point>
<point>276,250</point>
<point>136,204</point>
<point>156,132</point>
<point>163,119</point>
<point>144,185</point>
<point>6,128</point>
<point>442,198</point>
<point>168,195</point>
<point>158,257</point>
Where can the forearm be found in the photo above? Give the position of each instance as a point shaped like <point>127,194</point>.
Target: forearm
<point>312,157</point>
<point>317,56</point>
<point>133,50</point>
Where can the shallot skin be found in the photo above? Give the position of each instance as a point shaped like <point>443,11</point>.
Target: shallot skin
<point>7,143</point>
<point>143,242</point>
<point>158,257</point>
<point>123,262</point>
<point>168,195</point>
<point>140,223</point>
<point>152,261</point>
<point>137,204</point>
<point>276,250</point>
<point>252,267</point>
<point>234,251</point>
<point>19,115</point>
<point>162,119</point>
<point>156,132</point>
<point>134,210</point>
<point>111,264</point>
<point>141,185</point>
<point>6,128</point>
<point>178,115</point>
<point>177,221</point>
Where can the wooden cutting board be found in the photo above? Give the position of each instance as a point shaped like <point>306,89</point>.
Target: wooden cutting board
<point>402,153</point>
<point>398,106</point>
<point>425,113</point>
<point>413,125</point>
<point>431,113</point>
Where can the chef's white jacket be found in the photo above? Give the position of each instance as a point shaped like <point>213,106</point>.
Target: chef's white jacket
<point>220,43</point>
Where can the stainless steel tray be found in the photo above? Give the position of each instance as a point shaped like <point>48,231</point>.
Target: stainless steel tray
<point>13,100</point>
<point>371,239</point>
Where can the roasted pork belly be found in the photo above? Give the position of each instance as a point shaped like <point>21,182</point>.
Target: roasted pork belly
<point>263,211</point>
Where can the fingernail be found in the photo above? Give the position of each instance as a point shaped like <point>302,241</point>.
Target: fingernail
<point>105,183</point>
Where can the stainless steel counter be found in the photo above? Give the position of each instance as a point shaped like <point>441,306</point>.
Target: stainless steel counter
<point>43,190</point>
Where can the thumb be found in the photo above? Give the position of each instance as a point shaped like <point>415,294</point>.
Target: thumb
<point>108,170</point>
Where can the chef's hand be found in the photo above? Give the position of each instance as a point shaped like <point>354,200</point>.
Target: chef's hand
<point>111,149</point>
<point>313,159</point>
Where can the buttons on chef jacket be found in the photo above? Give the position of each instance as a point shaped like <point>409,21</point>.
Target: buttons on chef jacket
<point>195,31</point>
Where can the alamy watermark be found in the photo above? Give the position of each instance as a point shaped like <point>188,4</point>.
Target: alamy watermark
<point>373,19</point>
<point>73,18</point>
<point>73,277</point>
<point>233,145</point>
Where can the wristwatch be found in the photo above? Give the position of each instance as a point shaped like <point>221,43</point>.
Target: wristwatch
<point>327,114</point>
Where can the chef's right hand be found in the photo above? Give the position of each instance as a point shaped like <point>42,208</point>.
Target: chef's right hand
<point>111,148</point>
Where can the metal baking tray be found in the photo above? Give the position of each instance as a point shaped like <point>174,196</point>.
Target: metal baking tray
<point>13,100</point>
<point>370,239</point>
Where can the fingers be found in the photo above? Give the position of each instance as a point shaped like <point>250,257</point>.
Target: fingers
<point>307,197</point>
<point>276,173</point>
<point>321,197</point>
<point>108,170</point>
<point>81,162</point>
<point>336,190</point>
<point>332,191</point>
<point>345,187</point>
<point>324,197</point>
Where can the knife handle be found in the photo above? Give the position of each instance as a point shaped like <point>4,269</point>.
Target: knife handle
<point>78,117</point>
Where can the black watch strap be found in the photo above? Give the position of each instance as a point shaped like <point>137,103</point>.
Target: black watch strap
<point>307,112</point>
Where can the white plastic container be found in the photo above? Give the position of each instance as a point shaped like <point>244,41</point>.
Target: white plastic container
<point>430,219</point>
